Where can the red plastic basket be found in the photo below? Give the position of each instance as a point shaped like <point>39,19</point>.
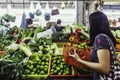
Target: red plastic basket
<point>71,61</point>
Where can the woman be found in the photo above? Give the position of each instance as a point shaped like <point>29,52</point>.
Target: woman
<point>103,58</point>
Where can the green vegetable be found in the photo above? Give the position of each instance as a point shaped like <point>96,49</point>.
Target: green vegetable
<point>8,17</point>
<point>26,50</point>
<point>12,65</point>
<point>36,31</point>
<point>117,33</point>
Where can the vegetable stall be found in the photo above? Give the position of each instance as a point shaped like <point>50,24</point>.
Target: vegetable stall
<point>28,57</point>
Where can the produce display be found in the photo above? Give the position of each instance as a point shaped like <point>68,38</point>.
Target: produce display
<point>24,56</point>
<point>41,45</point>
<point>58,66</point>
<point>116,33</point>
<point>12,63</point>
<point>60,37</point>
<point>8,18</point>
<point>37,64</point>
<point>36,58</point>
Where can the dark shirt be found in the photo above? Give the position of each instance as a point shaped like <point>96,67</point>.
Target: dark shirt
<point>101,42</point>
<point>59,28</point>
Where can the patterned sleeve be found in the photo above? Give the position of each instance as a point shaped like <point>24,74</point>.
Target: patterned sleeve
<point>101,42</point>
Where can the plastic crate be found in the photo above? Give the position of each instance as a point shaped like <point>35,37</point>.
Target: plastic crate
<point>57,75</point>
<point>71,61</point>
<point>35,77</point>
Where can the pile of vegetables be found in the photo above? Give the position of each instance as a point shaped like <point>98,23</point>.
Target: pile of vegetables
<point>12,63</point>
<point>60,37</point>
<point>58,66</point>
<point>116,35</point>
<point>42,45</point>
<point>8,18</point>
<point>30,33</point>
<point>6,40</point>
<point>37,64</point>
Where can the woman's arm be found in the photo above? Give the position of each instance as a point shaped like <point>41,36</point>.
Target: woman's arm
<point>103,66</point>
<point>84,33</point>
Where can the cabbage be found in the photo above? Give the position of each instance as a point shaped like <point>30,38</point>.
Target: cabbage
<point>117,33</point>
<point>26,50</point>
<point>13,47</point>
<point>114,33</point>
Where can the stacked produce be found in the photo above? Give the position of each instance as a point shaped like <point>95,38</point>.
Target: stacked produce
<point>12,63</point>
<point>41,45</point>
<point>60,37</point>
<point>26,33</point>
<point>37,64</point>
<point>6,40</point>
<point>116,33</point>
<point>29,56</point>
<point>58,66</point>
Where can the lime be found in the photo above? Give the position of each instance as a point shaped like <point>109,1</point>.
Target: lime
<point>41,67</point>
<point>34,70</point>
<point>45,69</point>
<point>32,73</point>
<point>59,73</point>
<point>43,63</point>
<point>37,67</point>
<point>58,68</point>
<point>47,59</point>
<point>27,71</point>
<point>31,67</point>
<point>54,61</point>
<point>42,73</point>
<point>52,72</point>
<point>55,71</point>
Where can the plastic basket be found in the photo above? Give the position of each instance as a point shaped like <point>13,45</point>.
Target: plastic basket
<point>38,76</point>
<point>60,75</point>
<point>71,61</point>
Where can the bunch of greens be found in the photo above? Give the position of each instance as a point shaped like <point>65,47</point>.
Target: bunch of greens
<point>8,18</point>
<point>12,63</point>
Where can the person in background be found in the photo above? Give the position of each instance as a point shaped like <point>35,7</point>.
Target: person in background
<point>29,22</point>
<point>49,30</point>
<point>59,27</point>
<point>102,55</point>
<point>114,23</point>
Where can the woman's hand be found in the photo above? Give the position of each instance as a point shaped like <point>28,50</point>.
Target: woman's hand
<point>74,55</point>
<point>84,33</point>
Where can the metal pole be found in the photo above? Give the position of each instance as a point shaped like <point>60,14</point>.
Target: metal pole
<point>7,5</point>
<point>23,5</point>
<point>77,11</point>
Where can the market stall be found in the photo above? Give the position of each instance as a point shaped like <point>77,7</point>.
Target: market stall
<point>25,55</point>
